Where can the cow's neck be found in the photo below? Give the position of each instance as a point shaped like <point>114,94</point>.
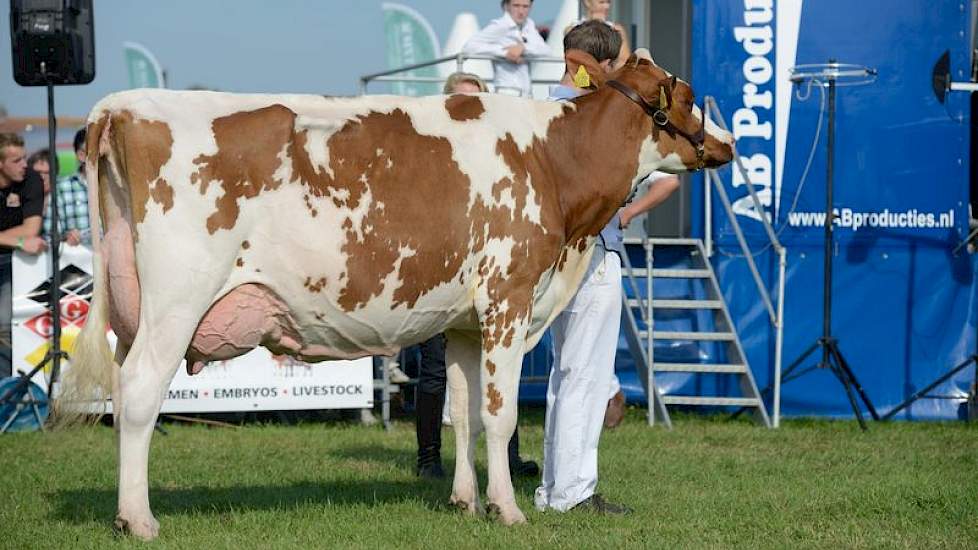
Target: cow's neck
<point>598,150</point>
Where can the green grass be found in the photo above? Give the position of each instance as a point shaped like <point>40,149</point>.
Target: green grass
<point>708,483</point>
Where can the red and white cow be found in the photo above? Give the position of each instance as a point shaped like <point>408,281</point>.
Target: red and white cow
<point>334,228</point>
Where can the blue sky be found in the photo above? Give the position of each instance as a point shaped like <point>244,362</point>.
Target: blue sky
<point>301,46</point>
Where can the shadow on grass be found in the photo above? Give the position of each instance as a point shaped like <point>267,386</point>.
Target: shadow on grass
<point>406,460</point>
<point>81,506</point>
<point>400,458</point>
<point>99,505</point>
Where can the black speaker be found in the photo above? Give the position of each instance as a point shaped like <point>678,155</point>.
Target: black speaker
<point>53,41</point>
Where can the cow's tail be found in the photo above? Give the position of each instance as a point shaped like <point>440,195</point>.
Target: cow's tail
<point>90,377</point>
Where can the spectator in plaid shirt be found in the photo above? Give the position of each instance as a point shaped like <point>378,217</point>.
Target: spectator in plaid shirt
<point>72,196</point>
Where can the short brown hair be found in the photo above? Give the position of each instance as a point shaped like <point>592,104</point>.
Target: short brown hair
<point>595,37</point>
<point>9,140</point>
<point>455,79</point>
<point>42,154</point>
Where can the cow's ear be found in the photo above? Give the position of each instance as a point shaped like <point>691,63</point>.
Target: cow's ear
<point>636,58</point>
<point>643,53</point>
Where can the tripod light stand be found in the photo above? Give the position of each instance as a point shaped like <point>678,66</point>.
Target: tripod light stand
<point>831,75</point>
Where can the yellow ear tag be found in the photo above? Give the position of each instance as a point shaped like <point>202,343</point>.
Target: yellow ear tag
<point>663,99</point>
<point>582,79</point>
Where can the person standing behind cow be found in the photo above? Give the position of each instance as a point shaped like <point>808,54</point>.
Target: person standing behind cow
<point>432,370</point>
<point>585,334</point>
<point>600,10</point>
<point>514,39</point>
<point>40,163</point>
<point>21,202</point>
<point>72,196</point>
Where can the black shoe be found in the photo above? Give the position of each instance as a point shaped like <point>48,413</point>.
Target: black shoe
<point>597,504</point>
<point>431,470</point>
<point>523,468</point>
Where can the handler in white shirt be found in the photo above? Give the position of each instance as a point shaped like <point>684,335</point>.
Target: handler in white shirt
<point>513,38</point>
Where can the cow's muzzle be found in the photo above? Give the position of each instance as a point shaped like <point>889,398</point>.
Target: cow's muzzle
<point>660,117</point>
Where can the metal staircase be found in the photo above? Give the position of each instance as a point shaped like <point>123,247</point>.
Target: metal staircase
<point>712,336</point>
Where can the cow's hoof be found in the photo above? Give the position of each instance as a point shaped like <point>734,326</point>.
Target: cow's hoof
<point>506,514</point>
<point>468,507</point>
<point>144,529</point>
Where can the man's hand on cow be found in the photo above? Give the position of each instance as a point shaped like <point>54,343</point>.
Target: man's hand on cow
<point>625,218</point>
<point>515,53</point>
<point>73,237</point>
<point>33,245</point>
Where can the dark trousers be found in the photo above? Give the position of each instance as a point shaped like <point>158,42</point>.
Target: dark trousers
<point>431,400</point>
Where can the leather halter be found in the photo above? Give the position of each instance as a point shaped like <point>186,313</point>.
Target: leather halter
<point>661,118</point>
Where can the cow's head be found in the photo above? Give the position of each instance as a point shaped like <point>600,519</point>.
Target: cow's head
<point>678,141</point>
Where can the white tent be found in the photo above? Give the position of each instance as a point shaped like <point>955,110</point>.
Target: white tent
<point>465,26</point>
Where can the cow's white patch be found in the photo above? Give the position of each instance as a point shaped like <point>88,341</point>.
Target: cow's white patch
<point>318,131</point>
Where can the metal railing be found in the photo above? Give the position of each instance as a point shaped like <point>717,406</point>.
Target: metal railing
<point>775,313</point>
<point>394,75</point>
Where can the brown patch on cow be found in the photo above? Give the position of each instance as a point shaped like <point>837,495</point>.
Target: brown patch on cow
<point>142,148</point>
<point>401,187</point>
<point>601,172</point>
<point>315,286</point>
<point>248,147</point>
<point>535,248</point>
<point>463,107</point>
<point>495,399</point>
<point>239,263</point>
<point>491,367</point>
<point>162,193</point>
<point>245,245</point>
<point>94,150</point>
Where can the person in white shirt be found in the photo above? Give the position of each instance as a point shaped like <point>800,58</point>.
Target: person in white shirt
<point>514,39</point>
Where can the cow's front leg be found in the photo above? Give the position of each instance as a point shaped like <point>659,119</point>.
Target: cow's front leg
<point>462,361</point>
<point>501,365</point>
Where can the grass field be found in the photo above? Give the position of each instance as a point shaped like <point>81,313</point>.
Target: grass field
<point>708,483</point>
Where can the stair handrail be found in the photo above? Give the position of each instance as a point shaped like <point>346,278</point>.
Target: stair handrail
<point>712,113</point>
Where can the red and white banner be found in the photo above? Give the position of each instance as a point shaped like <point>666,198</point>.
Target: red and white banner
<point>252,382</point>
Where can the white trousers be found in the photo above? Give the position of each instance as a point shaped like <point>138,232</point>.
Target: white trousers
<point>585,338</point>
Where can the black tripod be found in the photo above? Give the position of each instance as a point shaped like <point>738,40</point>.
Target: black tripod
<point>942,85</point>
<point>832,358</point>
<point>943,378</point>
<point>20,395</point>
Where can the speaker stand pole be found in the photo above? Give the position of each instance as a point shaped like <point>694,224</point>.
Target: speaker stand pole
<point>54,293</point>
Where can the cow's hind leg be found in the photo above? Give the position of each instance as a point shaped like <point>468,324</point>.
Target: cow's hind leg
<point>121,351</point>
<point>145,375</point>
<point>462,359</point>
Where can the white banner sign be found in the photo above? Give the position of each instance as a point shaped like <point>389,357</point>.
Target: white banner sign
<point>255,381</point>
